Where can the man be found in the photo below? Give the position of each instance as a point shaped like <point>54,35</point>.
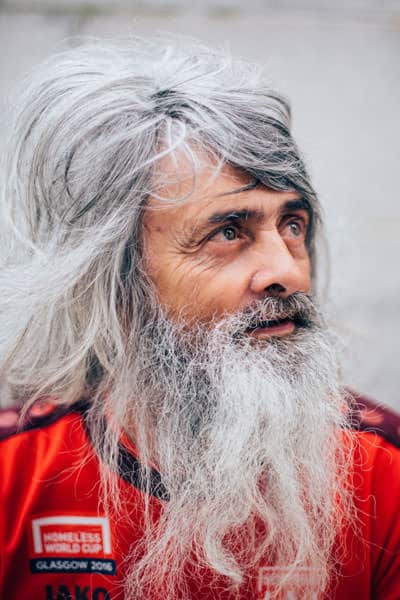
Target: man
<point>158,307</point>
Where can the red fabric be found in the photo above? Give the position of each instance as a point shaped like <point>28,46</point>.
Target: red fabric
<point>52,473</point>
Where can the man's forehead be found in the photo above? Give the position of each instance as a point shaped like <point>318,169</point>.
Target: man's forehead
<point>182,178</point>
<point>190,186</point>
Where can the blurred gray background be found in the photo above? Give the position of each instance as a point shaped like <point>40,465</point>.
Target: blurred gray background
<point>339,62</point>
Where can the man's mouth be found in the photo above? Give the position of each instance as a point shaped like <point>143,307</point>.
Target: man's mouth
<point>275,327</point>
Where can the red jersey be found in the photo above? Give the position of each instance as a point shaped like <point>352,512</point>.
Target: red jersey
<point>57,543</point>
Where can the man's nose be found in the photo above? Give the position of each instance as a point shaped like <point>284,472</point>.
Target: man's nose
<point>278,272</point>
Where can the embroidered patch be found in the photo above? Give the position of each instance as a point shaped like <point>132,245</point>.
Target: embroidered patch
<point>72,544</point>
<point>269,579</point>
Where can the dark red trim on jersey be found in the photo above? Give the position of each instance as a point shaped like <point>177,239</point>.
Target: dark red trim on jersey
<point>30,422</point>
<point>367,415</point>
<point>130,468</point>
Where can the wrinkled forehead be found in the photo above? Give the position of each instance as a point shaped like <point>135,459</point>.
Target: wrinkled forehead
<point>196,175</point>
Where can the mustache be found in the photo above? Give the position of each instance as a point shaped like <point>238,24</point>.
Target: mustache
<point>299,307</point>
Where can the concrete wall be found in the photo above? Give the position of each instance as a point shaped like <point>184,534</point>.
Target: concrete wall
<point>339,63</point>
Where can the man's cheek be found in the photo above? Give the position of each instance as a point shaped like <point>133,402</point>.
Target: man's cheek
<point>185,284</point>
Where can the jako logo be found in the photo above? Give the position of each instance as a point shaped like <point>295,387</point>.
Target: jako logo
<point>63,592</point>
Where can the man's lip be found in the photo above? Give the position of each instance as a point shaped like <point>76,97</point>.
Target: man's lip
<point>284,327</point>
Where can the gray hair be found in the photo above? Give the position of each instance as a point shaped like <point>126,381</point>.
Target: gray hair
<point>93,126</point>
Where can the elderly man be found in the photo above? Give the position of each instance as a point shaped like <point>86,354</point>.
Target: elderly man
<point>158,308</point>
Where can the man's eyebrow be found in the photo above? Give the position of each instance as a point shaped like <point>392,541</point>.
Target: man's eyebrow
<point>245,214</point>
<point>297,204</point>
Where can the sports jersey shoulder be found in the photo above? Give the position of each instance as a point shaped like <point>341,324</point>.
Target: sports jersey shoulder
<point>372,565</point>
<point>34,466</point>
<point>56,540</point>
<point>377,489</point>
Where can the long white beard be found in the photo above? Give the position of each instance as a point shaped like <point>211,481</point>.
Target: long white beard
<point>247,438</point>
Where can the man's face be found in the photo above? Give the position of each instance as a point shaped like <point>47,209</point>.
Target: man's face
<point>226,247</point>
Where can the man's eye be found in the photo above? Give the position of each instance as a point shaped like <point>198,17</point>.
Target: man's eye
<point>228,233</point>
<point>296,228</point>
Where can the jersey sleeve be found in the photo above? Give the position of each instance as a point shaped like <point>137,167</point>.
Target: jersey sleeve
<point>385,522</point>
